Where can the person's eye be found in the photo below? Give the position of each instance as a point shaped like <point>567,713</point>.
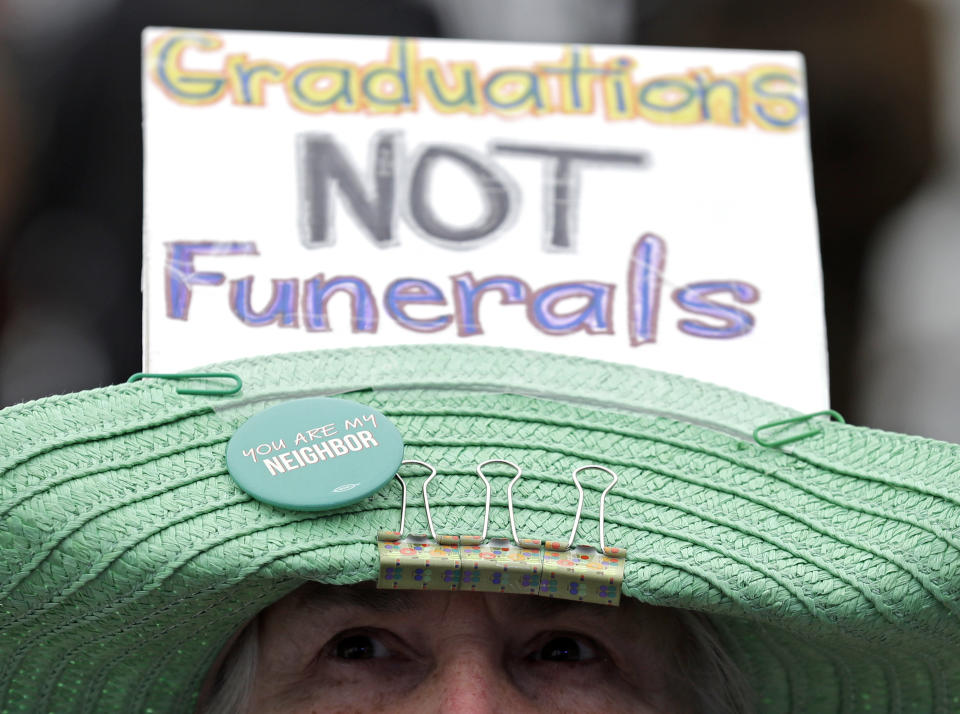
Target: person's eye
<point>566,648</point>
<point>358,646</point>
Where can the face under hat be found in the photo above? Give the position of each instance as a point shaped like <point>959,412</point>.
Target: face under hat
<point>128,555</point>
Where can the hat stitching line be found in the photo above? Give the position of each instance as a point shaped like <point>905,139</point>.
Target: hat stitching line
<point>40,556</point>
<point>94,688</point>
<point>105,670</point>
<point>445,350</point>
<point>157,584</point>
<point>813,461</point>
<point>264,527</point>
<point>884,610</point>
<point>795,694</point>
<point>932,529</point>
<point>902,450</point>
<point>7,679</point>
<point>733,598</point>
<point>867,510</point>
<point>679,418</point>
<point>828,427</point>
<point>44,485</point>
<point>594,403</point>
<point>745,655</point>
<point>93,434</point>
<point>175,414</point>
<point>110,557</point>
<point>731,526</point>
<point>922,580</point>
<point>160,417</point>
<point>888,481</point>
<point>816,493</point>
<point>71,624</point>
<point>690,445</point>
<point>714,487</point>
<point>939,684</point>
<point>312,547</point>
<point>901,444</point>
<point>811,491</point>
<point>894,690</point>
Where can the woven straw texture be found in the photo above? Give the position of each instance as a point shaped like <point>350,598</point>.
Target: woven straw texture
<point>128,556</point>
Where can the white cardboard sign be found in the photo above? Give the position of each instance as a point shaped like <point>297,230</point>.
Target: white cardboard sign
<point>652,206</point>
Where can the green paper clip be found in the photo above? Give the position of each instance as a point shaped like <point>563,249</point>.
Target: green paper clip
<point>774,443</point>
<point>211,392</point>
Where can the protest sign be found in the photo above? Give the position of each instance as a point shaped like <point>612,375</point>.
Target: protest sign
<point>651,206</point>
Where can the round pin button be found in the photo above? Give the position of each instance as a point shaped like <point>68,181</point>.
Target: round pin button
<point>314,454</point>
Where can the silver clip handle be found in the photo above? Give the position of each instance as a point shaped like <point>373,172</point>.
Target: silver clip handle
<point>603,498</point>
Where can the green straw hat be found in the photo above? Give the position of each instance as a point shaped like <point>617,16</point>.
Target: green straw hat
<point>128,555</point>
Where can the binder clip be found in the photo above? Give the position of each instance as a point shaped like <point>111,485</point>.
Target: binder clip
<point>529,566</point>
<point>499,566</point>
<point>415,562</point>
<point>583,573</point>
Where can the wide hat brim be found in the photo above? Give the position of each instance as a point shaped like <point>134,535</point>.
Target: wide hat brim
<point>129,555</point>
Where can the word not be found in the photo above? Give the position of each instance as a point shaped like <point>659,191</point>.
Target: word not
<point>768,96</point>
<point>323,164</point>
<point>557,309</point>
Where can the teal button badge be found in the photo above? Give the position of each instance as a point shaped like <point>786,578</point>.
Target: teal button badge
<point>314,454</point>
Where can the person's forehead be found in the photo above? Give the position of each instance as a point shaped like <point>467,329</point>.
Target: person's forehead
<point>366,597</point>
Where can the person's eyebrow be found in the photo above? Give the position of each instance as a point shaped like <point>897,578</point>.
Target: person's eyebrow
<point>327,596</point>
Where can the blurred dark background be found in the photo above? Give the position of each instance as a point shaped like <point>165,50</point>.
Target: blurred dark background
<point>881,124</point>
